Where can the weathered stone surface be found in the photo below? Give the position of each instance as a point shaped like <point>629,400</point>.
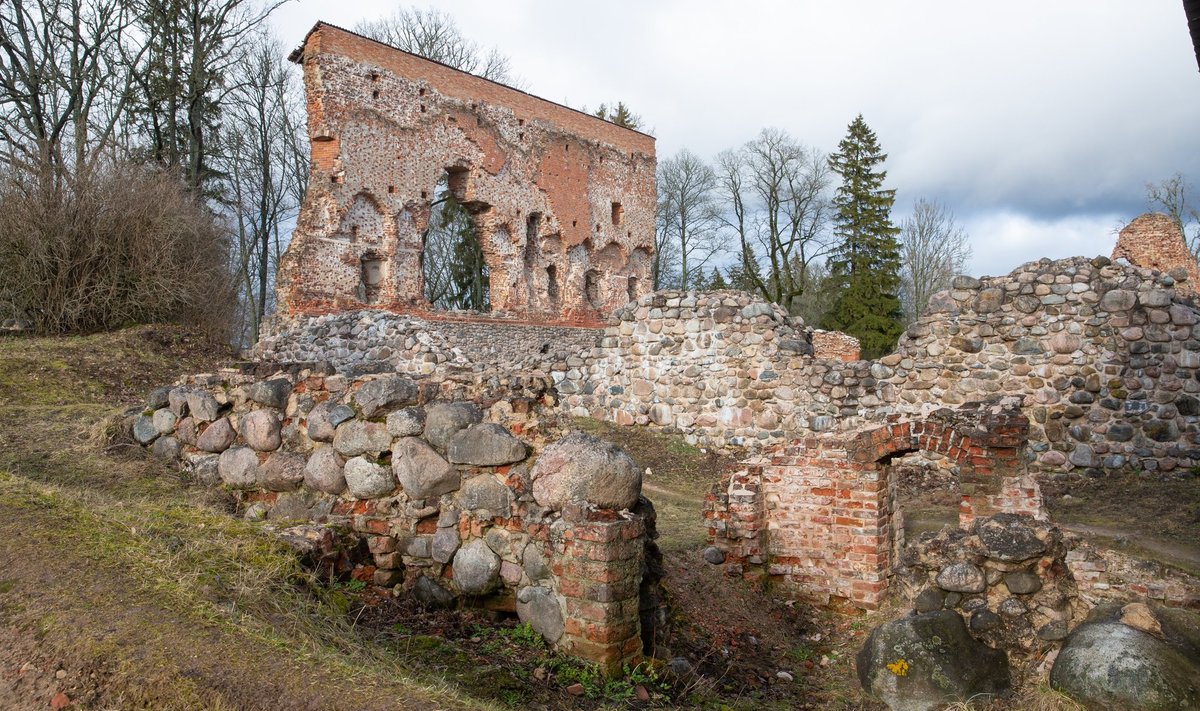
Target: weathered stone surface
<point>144,431</point>
<point>1008,537</point>
<point>539,608</point>
<point>185,430</point>
<point>177,401</point>
<point>272,393</point>
<point>1106,664</point>
<point>446,418</point>
<point>582,468</point>
<point>934,661</point>
<point>476,568</point>
<point>167,448</point>
<point>324,419</point>
<point>261,430</point>
<point>1022,582</point>
<point>929,599</point>
<point>1118,300</point>
<point>534,562</point>
<point>382,395</point>
<point>217,437</point>
<point>238,467</point>
<point>358,437</point>
<point>714,555</point>
<point>485,445</point>
<point>324,471</point>
<point>283,471</point>
<point>202,406</point>
<point>164,421</point>
<point>367,480</point>
<point>422,471</point>
<point>427,592</point>
<point>485,492</point>
<point>158,398</point>
<point>962,577</point>
<point>406,422</point>
<point>445,543</point>
<point>204,469</point>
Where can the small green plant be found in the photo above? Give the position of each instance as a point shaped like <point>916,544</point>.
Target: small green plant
<point>350,585</point>
<point>802,653</point>
<point>523,635</point>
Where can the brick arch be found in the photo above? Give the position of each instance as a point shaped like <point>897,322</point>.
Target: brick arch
<point>818,514</point>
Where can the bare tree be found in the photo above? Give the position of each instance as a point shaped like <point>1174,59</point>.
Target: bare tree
<point>689,213</point>
<point>1172,196</point>
<point>933,248</point>
<point>262,168</point>
<point>64,80</point>
<point>778,207</point>
<point>433,34</point>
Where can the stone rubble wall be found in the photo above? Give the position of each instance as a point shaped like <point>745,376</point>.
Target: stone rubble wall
<point>449,496</point>
<point>835,345</point>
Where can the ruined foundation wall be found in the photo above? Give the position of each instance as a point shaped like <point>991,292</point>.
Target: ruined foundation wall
<point>1153,240</point>
<point>441,492</point>
<point>562,202</point>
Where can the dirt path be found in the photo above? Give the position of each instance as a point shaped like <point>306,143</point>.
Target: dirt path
<point>1170,552</point>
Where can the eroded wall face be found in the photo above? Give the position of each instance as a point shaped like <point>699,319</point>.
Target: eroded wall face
<point>562,203</point>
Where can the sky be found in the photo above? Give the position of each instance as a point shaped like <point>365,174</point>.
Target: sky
<point>1038,123</point>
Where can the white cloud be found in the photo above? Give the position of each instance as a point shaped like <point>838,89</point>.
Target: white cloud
<point>1003,241</point>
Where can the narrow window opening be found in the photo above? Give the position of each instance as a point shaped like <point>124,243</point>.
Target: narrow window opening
<point>631,288</point>
<point>520,122</point>
<point>375,94</point>
<point>371,285</point>
<point>422,108</point>
<point>453,265</point>
<point>574,223</point>
<point>552,285</point>
<point>424,195</point>
<point>374,76</point>
<point>421,91</point>
<point>591,287</point>
<point>391,190</point>
<point>521,136</point>
<point>618,213</point>
<point>532,225</point>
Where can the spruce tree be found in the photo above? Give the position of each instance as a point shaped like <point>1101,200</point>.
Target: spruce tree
<point>865,266</point>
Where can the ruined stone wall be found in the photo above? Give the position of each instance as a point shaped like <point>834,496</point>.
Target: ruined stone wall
<point>835,345</point>
<point>454,501</point>
<point>1105,355</point>
<point>1153,240</point>
<point>438,348</point>
<point>818,516</point>
<point>563,202</point>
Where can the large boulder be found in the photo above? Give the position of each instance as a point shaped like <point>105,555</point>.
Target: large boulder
<point>485,492</point>
<point>382,395</point>
<point>476,568</point>
<point>445,418</point>
<point>367,480</point>
<point>485,445</point>
<point>324,471</point>
<point>583,468</point>
<point>202,406</point>
<point>217,437</point>
<point>272,393</point>
<point>358,437</point>
<point>1132,657</point>
<point>238,467</point>
<point>538,607</point>
<point>283,471</point>
<point>1009,537</point>
<point>928,659</point>
<point>144,431</point>
<point>261,430</point>
<point>422,471</point>
<point>406,422</point>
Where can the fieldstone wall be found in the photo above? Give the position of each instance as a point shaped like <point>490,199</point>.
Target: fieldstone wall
<point>454,501</point>
<point>562,202</point>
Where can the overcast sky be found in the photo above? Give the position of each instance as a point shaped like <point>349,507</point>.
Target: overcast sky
<point>1038,123</point>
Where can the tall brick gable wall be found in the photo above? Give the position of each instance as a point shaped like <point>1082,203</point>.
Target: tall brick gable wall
<point>563,203</point>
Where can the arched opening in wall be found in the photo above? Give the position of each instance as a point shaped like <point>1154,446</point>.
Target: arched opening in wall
<point>591,288</point>
<point>453,266</point>
<point>371,271</point>
<point>631,287</point>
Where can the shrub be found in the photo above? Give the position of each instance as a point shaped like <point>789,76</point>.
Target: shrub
<point>107,248</point>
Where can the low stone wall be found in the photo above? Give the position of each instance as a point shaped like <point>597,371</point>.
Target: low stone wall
<point>818,516</point>
<point>455,502</point>
<point>835,345</point>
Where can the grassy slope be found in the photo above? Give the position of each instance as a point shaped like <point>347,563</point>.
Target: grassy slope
<point>112,563</point>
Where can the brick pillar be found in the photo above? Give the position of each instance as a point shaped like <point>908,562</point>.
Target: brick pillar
<point>733,513</point>
<point>598,564</point>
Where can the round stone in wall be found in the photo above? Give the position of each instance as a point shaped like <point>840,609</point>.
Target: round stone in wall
<point>476,568</point>
<point>962,577</point>
<point>367,480</point>
<point>583,468</point>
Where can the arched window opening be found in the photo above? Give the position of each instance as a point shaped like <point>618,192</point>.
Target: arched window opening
<point>591,288</point>
<point>631,288</point>
<point>371,279</point>
<point>452,261</point>
<point>552,285</point>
